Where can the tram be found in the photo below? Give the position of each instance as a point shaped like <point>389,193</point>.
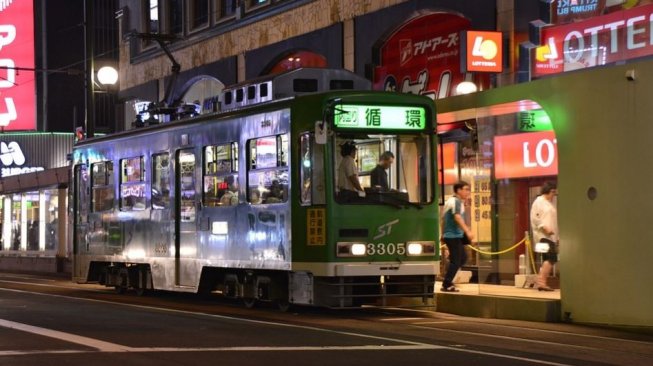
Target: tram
<point>245,202</point>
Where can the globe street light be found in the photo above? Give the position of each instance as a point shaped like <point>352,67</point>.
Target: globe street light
<point>107,75</point>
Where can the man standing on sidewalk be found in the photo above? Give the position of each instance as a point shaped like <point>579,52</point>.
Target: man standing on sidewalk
<point>454,232</point>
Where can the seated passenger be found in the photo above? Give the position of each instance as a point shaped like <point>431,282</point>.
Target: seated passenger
<point>276,193</point>
<point>230,196</point>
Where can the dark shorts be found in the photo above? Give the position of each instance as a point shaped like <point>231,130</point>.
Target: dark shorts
<point>552,254</point>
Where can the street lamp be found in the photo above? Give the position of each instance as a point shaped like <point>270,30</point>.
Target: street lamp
<point>107,75</point>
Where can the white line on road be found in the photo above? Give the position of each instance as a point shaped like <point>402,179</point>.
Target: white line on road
<point>67,337</point>
<point>111,347</point>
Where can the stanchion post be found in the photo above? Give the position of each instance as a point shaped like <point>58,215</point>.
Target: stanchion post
<point>527,246</point>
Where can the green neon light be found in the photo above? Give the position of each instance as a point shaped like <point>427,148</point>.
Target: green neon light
<point>535,120</point>
<point>380,117</point>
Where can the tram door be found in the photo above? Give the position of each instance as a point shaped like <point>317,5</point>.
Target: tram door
<point>185,219</point>
<point>80,222</point>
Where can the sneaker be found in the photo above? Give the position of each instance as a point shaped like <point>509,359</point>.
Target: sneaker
<point>451,288</point>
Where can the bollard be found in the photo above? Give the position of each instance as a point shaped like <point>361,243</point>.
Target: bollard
<point>522,264</point>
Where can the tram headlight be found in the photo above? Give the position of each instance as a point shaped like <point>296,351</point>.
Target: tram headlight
<point>358,249</point>
<point>417,248</point>
<point>414,248</point>
<point>348,249</point>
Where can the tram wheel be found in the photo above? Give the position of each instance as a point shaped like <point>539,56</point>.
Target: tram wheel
<point>249,302</point>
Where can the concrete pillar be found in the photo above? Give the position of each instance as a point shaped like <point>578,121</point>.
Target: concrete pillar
<point>348,45</point>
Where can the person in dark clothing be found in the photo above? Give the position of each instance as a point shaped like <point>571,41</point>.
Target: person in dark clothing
<point>379,176</point>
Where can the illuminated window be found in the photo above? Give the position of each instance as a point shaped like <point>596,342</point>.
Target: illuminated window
<point>268,169</point>
<point>102,187</point>
<point>160,181</point>
<point>221,175</point>
<point>132,188</point>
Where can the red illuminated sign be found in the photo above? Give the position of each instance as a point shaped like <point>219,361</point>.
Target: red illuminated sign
<point>448,158</point>
<point>484,51</point>
<point>596,41</point>
<point>525,155</point>
<point>17,90</point>
<point>423,56</point>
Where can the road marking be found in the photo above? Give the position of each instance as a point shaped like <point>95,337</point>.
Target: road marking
<point>406,343</point>
<point>435,322</point>
<point>67,337</point>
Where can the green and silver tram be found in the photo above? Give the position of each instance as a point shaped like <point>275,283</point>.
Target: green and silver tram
<point>245,202</point>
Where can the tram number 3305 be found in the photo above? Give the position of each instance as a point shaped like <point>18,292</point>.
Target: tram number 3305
<point>386,248</point>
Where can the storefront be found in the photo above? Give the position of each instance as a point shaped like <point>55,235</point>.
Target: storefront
<point>33,194</point>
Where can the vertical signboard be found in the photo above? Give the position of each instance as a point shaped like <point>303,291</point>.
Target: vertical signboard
<point>17,89</point>
<point>483,51</point>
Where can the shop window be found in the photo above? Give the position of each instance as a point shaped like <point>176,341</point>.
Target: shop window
<point>221,175</point>
<point>32,210</point>
<point>132,188</point>
<point>268,169</point>
<point>160,181</point>
<point>102,187</point>
<point>198,14</point>
<point>50,218</point>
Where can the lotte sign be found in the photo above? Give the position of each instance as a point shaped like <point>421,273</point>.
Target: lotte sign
<point>525,155</point>
<point>17,90</point>
<point>596,41</point>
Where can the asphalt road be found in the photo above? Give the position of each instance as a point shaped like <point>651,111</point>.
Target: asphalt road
<point>51,321</point>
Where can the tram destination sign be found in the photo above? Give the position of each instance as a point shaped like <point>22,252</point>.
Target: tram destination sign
<point>379,117</point>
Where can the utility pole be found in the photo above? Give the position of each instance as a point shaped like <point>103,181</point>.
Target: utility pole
<point>89,42</point>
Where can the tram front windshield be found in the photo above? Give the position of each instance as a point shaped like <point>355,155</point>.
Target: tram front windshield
<point>408,174</point>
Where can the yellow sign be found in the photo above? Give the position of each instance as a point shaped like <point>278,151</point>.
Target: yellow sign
<point>315,226</point>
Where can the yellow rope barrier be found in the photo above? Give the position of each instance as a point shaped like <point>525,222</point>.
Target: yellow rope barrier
<point>526,241</point>
<point>499,252</point>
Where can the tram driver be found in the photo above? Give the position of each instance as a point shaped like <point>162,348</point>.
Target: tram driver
<point>348,185</point>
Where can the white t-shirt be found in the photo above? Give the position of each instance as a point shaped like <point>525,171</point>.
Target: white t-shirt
<point>544,213</point>
<point>346,169</point>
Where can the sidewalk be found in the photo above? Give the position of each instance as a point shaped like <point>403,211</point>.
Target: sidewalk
<point>500,302</point>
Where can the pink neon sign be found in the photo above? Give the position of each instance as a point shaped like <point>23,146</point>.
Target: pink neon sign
<point>17,89</point>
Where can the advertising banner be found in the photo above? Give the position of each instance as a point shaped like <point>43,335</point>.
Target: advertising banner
<point>17,89</point>
<point>423,56</point>
<point>596,41</point>
<point>525,155</point>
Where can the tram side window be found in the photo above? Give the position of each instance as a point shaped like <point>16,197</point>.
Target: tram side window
<point>220,175</point>
<point>306,168</point>
<point>102,187</point>
<point>268,169</point>
<point>160,181</point>
<point>132,188</point>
